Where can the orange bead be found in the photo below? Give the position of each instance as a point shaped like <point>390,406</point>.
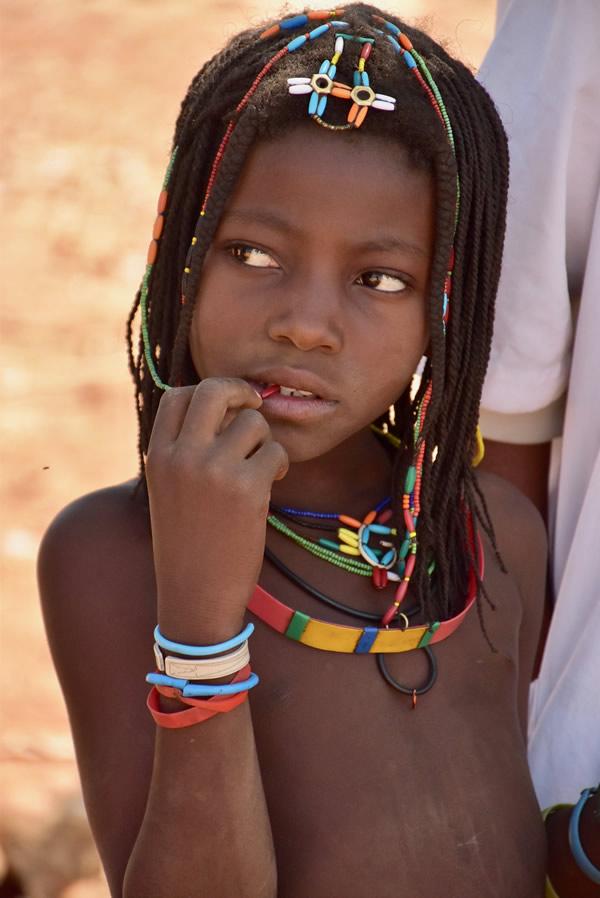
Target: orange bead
<point>405,42</point>
<point>361,116</point>
<point>341,92</point>
<point>351,522</point>
<point>353,113</point>
<point>152,251</point>
<point>370,517</point>
<point>270,32</point>
<point>158,226</point>
<point>162,202</point>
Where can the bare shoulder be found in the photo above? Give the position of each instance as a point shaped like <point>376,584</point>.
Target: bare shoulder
<point>519,528</point>
<point>97,591</point>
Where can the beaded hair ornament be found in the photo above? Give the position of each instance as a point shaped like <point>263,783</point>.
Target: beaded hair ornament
<point>320,86</point>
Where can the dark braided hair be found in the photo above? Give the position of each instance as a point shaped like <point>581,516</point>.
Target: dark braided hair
<point>458,356</point>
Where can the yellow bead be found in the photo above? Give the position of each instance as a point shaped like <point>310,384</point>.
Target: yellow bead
<point>361,65</point>
<point>335,58</point>
<point>349,550</point>
<point>348,537</point>
<point>186,270</point>
<point>194,241</point>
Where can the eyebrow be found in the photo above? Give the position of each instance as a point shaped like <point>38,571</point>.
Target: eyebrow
<point>387,243</point>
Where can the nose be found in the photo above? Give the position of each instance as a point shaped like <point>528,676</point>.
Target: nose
<point>309,316</point>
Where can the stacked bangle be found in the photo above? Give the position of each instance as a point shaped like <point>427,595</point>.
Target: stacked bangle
<point>196,710</point>
<point>579,856</point>
<point>200,651</point>
<point>577,851</point>
<point>202,669</point>
<point>204,700</point>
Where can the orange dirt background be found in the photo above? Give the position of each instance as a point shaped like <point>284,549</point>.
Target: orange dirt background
<point>90,92</point>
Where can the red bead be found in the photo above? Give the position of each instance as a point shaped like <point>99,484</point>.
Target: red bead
<point>366,51</point>
<point>158,226</point>
<point>152,251</point>
<point>162,202</point>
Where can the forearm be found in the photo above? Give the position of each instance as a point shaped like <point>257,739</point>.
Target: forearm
<point>206,830</point>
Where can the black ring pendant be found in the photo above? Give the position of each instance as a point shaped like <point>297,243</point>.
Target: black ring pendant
<point>410,690</point>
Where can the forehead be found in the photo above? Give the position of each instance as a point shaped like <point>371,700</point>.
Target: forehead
<point>348,181</point>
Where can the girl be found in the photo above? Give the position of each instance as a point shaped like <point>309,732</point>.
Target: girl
<point>331,221</point>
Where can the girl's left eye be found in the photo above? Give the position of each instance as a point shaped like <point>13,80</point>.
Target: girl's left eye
<point>382,282</point>
<point>252,256</point>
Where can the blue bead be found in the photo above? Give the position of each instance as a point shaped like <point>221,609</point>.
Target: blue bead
<point>324,67</point>
<point>332,71</point>
<point>380,528</point>
<point>388,557</point>
<point>317,32</point>
<point>372,557</point>
<point>393,28</point>
<point>409,60</point>
<point>394,43</point>
<point>369,635</point>
<point>365,79</point>
<point>313,102</point>
<point>294,22</point>
<point>356,78</point>
<point>297,42</point>
<point>383,503</point>
<point>322,105</point>
<point>366,533</point>
<point>335,24</point>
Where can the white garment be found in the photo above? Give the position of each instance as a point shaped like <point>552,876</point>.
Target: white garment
<point>543,72</point>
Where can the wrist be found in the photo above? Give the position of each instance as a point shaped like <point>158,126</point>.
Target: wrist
<point>563,871</point>
<point>199,627</point>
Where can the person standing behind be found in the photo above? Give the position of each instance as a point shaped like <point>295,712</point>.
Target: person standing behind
<point>540,408</point>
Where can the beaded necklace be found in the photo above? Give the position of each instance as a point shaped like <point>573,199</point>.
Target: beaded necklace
<point>327,636</point>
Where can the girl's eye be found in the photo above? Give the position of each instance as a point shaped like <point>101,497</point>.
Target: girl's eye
<point>252,256</point>
<point>382,282</point>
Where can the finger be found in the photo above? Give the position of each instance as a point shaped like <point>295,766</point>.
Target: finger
<point>170,416</point>
<point>212,399</point>
<point>270,462</point>
<point>245,434</point>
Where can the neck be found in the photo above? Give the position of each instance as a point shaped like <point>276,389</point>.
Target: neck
<point>350,479</point>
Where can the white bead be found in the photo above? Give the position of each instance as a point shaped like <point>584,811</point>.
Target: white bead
<point>379,104</point>
<point>298,81</point>
<point>300,89</point>
<point>385,98</point>
<point>339,45</point>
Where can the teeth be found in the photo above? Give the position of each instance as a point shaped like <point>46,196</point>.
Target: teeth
<point>290,391</point>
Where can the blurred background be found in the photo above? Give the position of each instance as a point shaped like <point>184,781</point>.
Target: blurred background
<point>90,92</point>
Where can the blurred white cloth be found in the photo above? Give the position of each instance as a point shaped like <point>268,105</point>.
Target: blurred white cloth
<point>543,73</point>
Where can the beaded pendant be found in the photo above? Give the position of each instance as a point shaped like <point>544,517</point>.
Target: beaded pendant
<point>322,85</point>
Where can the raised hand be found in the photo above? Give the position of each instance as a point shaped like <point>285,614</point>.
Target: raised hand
<point>210,467</point>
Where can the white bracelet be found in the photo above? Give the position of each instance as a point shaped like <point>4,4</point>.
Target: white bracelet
<point>205,668</point>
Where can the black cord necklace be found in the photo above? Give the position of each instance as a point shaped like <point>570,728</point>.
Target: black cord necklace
<point>413,691</point>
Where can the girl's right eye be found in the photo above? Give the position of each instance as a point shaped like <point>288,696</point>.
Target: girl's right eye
<point>252,256</point>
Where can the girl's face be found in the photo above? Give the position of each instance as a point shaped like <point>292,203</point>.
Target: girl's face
<point>317,280</point>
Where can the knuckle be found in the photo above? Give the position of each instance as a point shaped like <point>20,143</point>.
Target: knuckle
<point>255,420</point>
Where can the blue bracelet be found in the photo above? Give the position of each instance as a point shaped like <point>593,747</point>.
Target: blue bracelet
<point>194,691</point>
<point>199,651</point>
<point>579,855</point>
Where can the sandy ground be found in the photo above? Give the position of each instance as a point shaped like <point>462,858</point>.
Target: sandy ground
<point>89,96</point>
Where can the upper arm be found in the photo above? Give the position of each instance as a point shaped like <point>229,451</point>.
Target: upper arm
<point>96,589</point>
<point>522,542</point>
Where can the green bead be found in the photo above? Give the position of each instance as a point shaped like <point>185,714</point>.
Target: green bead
<point>411,476</point>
